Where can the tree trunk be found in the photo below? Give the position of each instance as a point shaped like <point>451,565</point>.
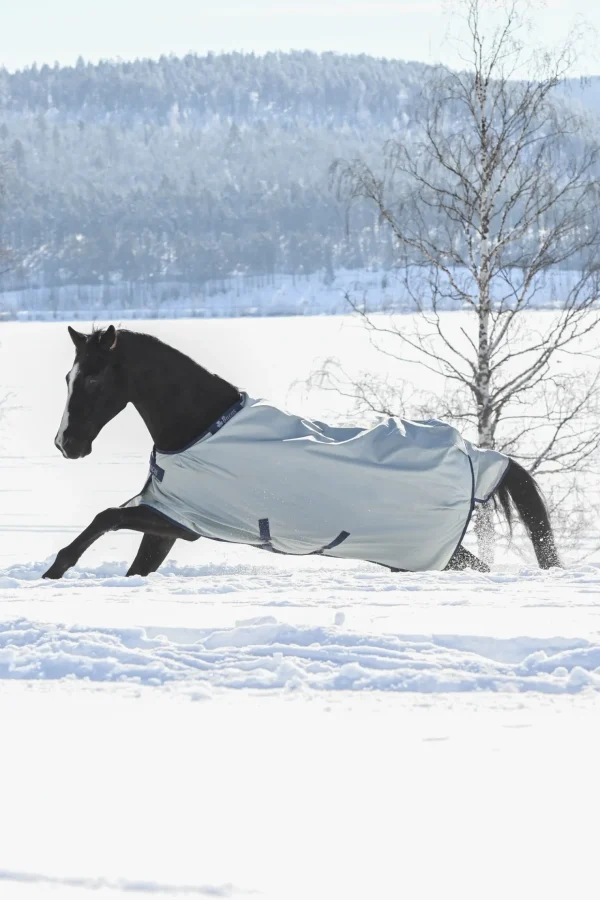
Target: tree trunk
<point>484,519</point>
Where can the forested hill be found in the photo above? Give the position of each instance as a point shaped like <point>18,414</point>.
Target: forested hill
<point>192,169</point>
<point>323,89</point>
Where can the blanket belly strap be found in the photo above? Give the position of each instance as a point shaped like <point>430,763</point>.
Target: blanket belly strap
<point>264,530</point>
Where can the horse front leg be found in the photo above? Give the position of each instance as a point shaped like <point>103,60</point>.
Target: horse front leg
<point>135,518</point>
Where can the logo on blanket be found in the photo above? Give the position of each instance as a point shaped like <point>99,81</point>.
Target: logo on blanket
<point>225,419</point>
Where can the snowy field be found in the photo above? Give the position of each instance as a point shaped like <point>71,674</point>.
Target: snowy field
<point>243,724</point>
<point>249,296</point>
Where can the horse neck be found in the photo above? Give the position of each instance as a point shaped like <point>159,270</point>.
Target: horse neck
<point>177,399</point>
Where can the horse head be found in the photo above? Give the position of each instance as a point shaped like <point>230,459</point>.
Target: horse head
<point>96,391</point>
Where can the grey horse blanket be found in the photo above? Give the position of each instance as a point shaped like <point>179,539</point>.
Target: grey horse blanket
<point>400,493</point>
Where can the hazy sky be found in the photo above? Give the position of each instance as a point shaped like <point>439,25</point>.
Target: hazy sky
<point>49,30</point>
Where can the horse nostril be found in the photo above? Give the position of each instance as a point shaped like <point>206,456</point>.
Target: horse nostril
<point>67,447</point>
<point>74,448</point>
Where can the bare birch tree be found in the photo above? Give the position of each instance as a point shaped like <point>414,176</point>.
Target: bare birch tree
<point>492,200</point>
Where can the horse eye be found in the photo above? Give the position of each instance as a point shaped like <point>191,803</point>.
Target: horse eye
<point>92,381</point>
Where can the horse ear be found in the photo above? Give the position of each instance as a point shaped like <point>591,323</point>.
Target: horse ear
<point>108,339</point>
<point>77,338</point>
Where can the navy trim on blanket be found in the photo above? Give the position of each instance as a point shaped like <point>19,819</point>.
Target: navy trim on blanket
<point>464,531</point>
<point>212,429</point>
<point>497,485</point>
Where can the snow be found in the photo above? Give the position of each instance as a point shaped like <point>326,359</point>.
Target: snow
<point>268,653</point>
<point>270,628</point>
<point>243,724</point>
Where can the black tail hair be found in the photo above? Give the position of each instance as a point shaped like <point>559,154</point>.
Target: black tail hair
<point>522,489</point>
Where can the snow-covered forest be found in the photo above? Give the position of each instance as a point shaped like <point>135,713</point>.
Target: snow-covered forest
<point>161,183</point>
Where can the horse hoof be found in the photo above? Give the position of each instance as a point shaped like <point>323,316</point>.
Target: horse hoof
<point>58,568</point>
<point>54,573</point>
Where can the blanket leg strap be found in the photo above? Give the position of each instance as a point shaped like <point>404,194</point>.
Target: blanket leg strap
<point>264,530</point>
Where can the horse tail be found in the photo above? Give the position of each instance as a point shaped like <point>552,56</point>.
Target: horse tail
<point>522,489</point>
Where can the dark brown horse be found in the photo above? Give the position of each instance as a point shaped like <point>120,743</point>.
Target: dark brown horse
<point>179,400</point>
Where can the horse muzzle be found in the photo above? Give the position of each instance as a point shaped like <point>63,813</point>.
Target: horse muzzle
<point>73,448</point>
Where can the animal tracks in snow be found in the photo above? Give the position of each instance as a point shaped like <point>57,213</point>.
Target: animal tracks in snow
<point>266,654</point>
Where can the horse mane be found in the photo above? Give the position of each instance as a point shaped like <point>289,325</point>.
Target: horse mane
<point>186,364</point>
<point>128,334</point>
